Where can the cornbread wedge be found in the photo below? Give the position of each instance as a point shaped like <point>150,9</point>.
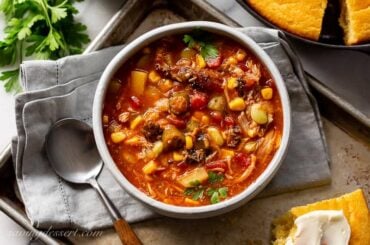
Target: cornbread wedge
<point>301,17</point>
<point>353,205</point>
<point>355,21</point>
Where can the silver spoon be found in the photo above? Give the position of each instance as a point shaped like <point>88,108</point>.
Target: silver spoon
<point>72,152</point>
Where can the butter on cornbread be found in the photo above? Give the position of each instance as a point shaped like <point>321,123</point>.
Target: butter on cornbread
<point>353,205</point>
<point>301,17</point>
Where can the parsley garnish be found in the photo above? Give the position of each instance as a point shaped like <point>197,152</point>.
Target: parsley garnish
<point>215,198</point>
<point>202,39</point>
<point>44,28</point>
<point>214,177</point>
<point>196,193</point>
<point>195,183</point>
<point>217,194</point>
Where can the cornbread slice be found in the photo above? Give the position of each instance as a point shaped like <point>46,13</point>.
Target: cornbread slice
<point>355,21</point>
<point>301,17</point>
<point>353,205</point>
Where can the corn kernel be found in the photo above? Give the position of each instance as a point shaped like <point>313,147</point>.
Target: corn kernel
<point>227,153</point>
<point>118,137</point>
<point>258,114</point>
<point>105,119</point>
<point>204,120</point>
<point>191,201</point>
<point>232,61</point>
<point>250,147</point>
<point>156,150</point>
<point>135,140</point>
<point>134,123</point>
<point>177,157</point>
<point>198,115</point>
<point>240,55</point>
<point>215,136</point>
<point>164,85</point>
<point>154,77</point>
<point>266,93</point>
<point>237,104</point>
<point>252,132</point>
<point>150,167</point>
<point>188,142</point>
<point>232,83</point>
<point>200,62</point>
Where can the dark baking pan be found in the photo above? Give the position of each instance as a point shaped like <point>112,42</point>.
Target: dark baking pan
<point>331,35</point>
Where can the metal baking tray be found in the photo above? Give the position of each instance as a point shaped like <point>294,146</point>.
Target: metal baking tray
<point>140,16</point>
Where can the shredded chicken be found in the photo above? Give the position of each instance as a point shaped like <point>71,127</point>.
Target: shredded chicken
<point>248,170</point>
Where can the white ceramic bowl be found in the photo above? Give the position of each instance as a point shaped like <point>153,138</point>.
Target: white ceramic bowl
<point>202,211</point>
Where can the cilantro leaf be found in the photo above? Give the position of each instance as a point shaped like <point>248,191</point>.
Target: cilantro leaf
<point>44,28</point>
<point>201,40</point>
<point>223,192</point>
<point>195,183</point>
<point>214,177</point>
<point>8,52</point>
<point>211,191</point>
<point>58,12</point>
<point>198,194</point>
<point>7,7</point>
<point>189,40</point>
<point>209,51</point>
<point>27,25</point>
<point>189,191</point>
<point>215,198</point>
<point>11,80</point>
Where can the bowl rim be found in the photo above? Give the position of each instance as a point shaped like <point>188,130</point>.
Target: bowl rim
<point>183,211</point>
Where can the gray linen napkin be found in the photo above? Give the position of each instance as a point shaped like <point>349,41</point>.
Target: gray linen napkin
<point>65,88</point>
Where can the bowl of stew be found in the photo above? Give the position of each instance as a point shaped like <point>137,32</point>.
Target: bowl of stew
<point>192,119</point>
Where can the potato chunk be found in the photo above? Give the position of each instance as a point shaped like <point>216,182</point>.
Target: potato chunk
<point>193,177</point>
<point>138,81</point>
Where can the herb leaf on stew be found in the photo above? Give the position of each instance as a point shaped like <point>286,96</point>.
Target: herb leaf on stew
<point>214,177</point>
<point>198,194</point>
<point>223,192</point>
<point>201,39</point>
<point>215,198</point>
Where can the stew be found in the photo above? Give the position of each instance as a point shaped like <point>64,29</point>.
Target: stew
<point>192,119</point>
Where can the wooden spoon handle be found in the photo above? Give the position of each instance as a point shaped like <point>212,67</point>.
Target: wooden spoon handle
<point>125,233</point>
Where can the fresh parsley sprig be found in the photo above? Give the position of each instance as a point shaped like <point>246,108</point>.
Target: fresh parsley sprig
<point>202,40</point>
<point>45,29</point>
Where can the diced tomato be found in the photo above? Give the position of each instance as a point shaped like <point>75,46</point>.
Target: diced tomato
<point>135,102</point>
<point>214,62</point>
<point>220,164</point>
<point>182,165</point>
<point>250,82</point>
<point>198,101</point>
<point>179,123</point>
<point>228,122</point>
<point>216,116</point>
<point>243,67</point>
<point>242,159</point>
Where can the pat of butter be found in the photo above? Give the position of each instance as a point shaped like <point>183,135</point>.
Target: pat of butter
<point>329,227</point>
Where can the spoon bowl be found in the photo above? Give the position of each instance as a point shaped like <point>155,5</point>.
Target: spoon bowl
<point>72,151</point>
